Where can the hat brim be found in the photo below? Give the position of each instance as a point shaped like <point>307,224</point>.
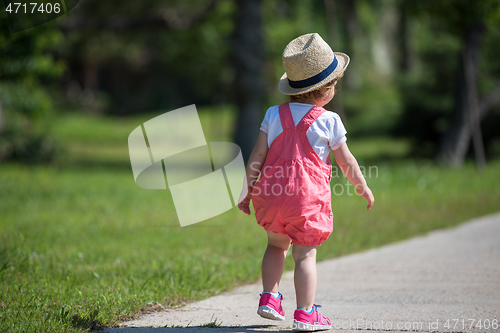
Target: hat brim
<point>284,86</point>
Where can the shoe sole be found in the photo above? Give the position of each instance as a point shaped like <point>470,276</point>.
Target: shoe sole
<point>269,313</point>
<point>300,326</point>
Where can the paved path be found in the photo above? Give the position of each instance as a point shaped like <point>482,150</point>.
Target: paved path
<point>446,277</point>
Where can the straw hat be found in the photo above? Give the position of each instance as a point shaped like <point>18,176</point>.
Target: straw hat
<point>309,63</point>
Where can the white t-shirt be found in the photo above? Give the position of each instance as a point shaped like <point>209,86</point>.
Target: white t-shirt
<point>326,133</point>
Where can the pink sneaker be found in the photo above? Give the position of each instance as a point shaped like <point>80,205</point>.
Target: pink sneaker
<point>270,307</point>
<point>313,321</point>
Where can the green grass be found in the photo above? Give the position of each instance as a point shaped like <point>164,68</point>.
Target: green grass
<point>81,246</point>
<point>212,324</point>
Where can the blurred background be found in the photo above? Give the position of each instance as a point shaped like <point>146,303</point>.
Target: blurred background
<point>423,71</point>
<point>82,247</point>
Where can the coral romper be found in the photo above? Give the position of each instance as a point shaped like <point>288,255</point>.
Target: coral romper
<point>292,196</point>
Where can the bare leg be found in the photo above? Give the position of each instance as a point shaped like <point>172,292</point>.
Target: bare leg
<point>273,262</point>
<point>305,276</point>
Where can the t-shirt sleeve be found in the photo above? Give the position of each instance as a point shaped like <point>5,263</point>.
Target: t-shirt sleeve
<point>264,126</point>
<point>337,133</point>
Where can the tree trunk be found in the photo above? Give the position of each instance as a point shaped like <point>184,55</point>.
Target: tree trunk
<point>470,59</point>
<point>456,139</point>
<point>248,63</point>
<point>331,24</point>
<point>403,37</point>
<point>2,120</point>
<point>350,27</point>
<point>384,44</point>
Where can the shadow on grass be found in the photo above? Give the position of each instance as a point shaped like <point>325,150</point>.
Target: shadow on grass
<point>124,164</point>
<point>59,313</point>
<point>381,159</point>
<point>85,164</point>
<point>86,323</point>
<point>198,329</point>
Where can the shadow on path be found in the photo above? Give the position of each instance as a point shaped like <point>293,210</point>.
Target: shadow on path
<point>198,329</point>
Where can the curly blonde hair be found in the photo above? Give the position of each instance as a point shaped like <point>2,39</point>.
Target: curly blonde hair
<point>316,93</point>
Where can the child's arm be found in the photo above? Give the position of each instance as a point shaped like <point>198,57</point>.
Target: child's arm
<point>350,168</point>
<point>254,165</point>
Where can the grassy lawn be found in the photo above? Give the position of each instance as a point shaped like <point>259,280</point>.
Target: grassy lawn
<point>81,245</point>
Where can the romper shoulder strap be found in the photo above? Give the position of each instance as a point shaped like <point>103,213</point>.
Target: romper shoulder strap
<point>306,122</point>
<point>286,116</point>
<point>309,118</point>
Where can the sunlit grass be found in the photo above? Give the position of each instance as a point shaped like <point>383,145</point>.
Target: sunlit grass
<point>81,245</point>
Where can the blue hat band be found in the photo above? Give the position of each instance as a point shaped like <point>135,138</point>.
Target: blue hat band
<point>316,78</point>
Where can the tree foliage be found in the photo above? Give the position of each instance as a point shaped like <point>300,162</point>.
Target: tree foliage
<point>438,114</point>
<point>154,55</point>
<point>25,103</point>
<point>148,55</point>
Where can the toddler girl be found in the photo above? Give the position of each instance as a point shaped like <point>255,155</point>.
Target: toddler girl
<point>292,198</point>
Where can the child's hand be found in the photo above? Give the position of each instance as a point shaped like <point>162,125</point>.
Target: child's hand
<point>368,195</point>
<point>244,204</point>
